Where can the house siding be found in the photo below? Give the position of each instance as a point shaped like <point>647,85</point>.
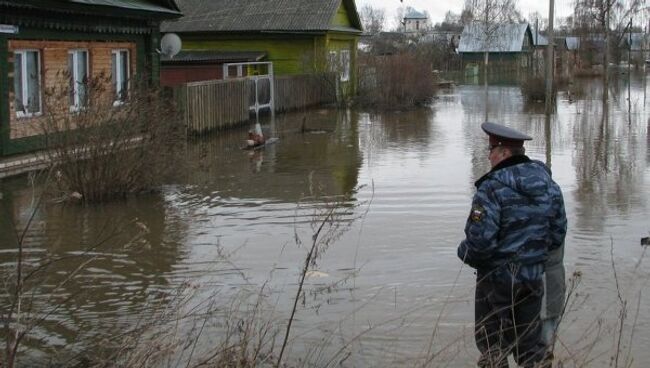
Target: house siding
<point>54,61</point>
<point>290,55</point>
<point>20,135</point>
<point>342,18</point>
<point>4,90</point>
<point>338,42</point>
<point>173,75</point>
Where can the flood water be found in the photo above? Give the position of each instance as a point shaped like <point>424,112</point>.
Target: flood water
<point>231,221</point>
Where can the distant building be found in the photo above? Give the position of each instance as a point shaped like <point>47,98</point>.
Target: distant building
<point>508,45</point>
<point>448,38</point>
<point>386,43</point>
<point>579,55</point>
<point>635,47</point>
<point>415,21</point>
<point>540,43</point>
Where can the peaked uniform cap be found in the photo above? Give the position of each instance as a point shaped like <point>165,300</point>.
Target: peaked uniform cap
<point>503,136</point>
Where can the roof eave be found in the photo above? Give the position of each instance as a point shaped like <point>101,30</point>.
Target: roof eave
<point>95,9</point>
<point>246,32</point>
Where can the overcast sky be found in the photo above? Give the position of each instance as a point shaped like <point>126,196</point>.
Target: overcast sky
<point>437,8</point>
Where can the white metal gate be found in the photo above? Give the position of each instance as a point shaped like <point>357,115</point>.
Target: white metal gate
<point>262,86</point>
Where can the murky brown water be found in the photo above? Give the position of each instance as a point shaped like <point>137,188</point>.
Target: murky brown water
<point>415,170</point>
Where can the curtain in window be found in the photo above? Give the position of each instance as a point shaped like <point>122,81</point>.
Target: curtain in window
<point>33,92</point>
<point>18,82</point>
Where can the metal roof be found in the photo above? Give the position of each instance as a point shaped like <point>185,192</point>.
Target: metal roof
<point>505,38</point>
<point>539,39</point>
<point>261,16</point>
<point>638,39</point>
<point>132,4</point>
<point>414,14</point>
<point>157,6</point>
<point>209,56</point>
<point>572,43</point>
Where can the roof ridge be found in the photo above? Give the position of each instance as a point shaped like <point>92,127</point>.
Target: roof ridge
<point>260,15</point>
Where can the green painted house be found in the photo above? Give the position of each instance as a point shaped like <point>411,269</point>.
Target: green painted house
<point>298,36</point>
<point>40,39</point>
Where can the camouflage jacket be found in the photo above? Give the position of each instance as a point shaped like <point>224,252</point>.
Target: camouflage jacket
<point>517,216</point>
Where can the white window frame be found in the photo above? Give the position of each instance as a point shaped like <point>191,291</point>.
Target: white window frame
<point>345,65</point>
<point>77,104</point>
<point>24,82</point>
<point>119,82</point>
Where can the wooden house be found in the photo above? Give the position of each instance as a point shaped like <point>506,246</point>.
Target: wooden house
<point>509,46</point>
<point>298,36</point>
<point>540,44</point>
<point>40,40</point>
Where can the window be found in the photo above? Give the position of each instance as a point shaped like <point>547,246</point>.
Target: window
<point>332,62</point>
<point>27,82</point>
<point>345,65</point>
<point>78,68</point>
<point>120,75</point>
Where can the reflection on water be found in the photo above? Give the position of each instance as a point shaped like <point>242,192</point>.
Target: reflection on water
<point>417,168</point>
<point>110,269</point>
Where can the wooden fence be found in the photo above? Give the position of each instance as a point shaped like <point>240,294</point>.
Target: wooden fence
<point>298,91</point>
<point>219,104</point>
<point>213,105</point>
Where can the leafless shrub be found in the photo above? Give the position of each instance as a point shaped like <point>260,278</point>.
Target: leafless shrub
<point>328,224</point>
<point>534,89</point>
<point>104,146</point>
<point>395,81</point>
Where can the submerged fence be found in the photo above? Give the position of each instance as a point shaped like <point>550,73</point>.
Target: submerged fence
<point>219,104</point>
<point>298,91</point>
<point>213,105</point>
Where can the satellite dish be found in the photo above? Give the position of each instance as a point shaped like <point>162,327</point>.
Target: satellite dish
<point>170,45</point>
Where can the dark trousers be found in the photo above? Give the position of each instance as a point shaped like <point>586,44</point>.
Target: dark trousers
<point>507,320</point>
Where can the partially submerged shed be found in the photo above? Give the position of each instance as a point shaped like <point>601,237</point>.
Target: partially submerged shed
<point>201,65</point>
<point>508,45</point>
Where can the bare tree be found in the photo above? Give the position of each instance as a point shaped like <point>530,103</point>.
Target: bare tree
<point>538,20</point>
<point>452,23</point>
<point>399,19</point>
<point>466,16</point>
<point>427,22</point>
<point>372,19</point>
<point>609,18</point>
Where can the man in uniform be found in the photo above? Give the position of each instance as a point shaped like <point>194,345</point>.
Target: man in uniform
<point>517,217</point>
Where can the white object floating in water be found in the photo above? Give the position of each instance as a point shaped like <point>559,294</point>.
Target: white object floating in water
<point>318,274</point>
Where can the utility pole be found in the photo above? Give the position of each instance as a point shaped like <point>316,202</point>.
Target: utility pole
<point>550,59</point>
<point>486,54</point>
<point>536,45</point>
<point>629,73</point>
